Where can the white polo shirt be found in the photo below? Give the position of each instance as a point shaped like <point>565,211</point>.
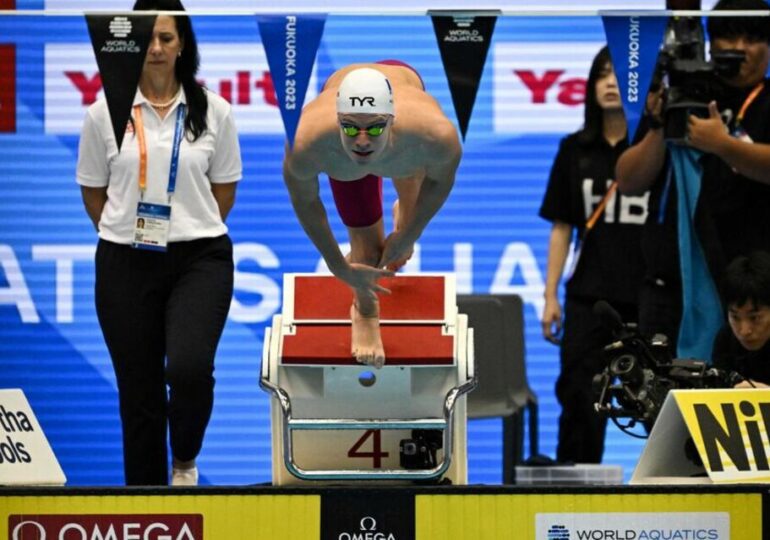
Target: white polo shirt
<point>214,158</point>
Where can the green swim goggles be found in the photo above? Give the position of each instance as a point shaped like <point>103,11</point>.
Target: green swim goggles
<point>373,131</point>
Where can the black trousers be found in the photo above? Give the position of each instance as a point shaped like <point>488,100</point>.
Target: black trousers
<point>162,315</point>
<point>581,428</point>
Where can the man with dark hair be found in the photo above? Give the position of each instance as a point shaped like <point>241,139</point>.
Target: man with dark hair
<point>735,184</point>
<point>737,174</point>
<point>743,345</point>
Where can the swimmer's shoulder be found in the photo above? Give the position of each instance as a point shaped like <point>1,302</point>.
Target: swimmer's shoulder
<point>317,121</point>
<point>313,142</point>
<point>431,131</point>
<point>425,118</point>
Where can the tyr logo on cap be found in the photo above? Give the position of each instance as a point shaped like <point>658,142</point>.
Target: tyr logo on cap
<point>361,101</point>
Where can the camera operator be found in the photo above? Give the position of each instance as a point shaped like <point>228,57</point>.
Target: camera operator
<point>735,191</point>
<point>743,345</point>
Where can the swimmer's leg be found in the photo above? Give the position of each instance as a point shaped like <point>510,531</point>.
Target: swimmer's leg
<point>366,343</point>
<point>408,189</point>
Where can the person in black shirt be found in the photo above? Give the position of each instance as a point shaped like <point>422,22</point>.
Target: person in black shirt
<point>735,191</point>
<point>743,345</point>
<point>609,264</point>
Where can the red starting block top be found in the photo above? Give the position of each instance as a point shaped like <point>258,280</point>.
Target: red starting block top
<point>421,344</point>
<point>311,300</point>
<point>328,298</point>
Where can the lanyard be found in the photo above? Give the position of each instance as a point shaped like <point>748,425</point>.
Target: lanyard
<point>178,133</point>
<point>600,208</point>
<point>749,100</point>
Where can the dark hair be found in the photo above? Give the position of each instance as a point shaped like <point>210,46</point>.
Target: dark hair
<point>755,28</point>
<point>747,279</point>
<point>593,122</point>
<point>186,65</point>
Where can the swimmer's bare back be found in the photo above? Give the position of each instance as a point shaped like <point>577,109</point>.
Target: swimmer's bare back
<point>399,77</point>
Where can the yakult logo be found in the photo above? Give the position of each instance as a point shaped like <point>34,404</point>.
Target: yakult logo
<point>106,527</point>
<point>240,75</point>
<point>7,88</point>
<point>367,531</point>
<point>537,89</point>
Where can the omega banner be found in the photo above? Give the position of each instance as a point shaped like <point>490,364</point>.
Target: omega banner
<point>367,515</point>
<point>106,526</point>
<point>372,513</point>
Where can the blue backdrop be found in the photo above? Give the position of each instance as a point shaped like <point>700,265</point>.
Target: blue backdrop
<point>488,232</point>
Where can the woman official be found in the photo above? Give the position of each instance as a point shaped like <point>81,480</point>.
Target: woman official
<point>163,290</point>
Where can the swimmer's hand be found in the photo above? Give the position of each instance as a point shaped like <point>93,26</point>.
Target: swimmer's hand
<point>396,252</point>
<point>364,278</point>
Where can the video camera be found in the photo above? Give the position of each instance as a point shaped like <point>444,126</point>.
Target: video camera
<point>692,81</point>
<point>419,451</point>
<point>641,372</point>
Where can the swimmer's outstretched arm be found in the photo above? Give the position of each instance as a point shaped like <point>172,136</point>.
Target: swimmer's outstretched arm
<point>311,213</point>
<point>439,179</point>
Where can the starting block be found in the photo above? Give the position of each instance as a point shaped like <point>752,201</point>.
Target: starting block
<point>334,419</point>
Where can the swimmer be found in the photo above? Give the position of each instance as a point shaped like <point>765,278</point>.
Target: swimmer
<point>371,121</point>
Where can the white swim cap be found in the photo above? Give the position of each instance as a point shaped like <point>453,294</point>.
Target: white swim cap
<point>365,90</point>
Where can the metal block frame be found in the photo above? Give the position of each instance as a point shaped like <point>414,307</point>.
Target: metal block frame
<point>315,432</point>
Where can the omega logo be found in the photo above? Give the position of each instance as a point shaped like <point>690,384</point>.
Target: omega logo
<point>17,530</point>
<point>370,520</point>
<point>368,526</point>
<point>151,527</point>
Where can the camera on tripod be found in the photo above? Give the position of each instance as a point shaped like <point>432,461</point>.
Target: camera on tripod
<point>690,81</point>
<point>640,373</point>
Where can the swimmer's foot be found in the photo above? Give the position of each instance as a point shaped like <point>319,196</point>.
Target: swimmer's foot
<point>366,343</point>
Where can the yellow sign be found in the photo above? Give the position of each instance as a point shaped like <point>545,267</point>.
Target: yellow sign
<point>734,516</point>
<point>730,430</point>
<point>490,515</point>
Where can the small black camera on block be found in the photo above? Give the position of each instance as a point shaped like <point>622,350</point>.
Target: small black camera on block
<point>420,451</point>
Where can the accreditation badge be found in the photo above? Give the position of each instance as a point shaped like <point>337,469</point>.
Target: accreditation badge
<point>740,134</point>
<point>151,226</point>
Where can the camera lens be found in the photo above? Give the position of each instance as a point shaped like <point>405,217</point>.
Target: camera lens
<point>409,448</point>
<point>628,369</point>
<point>623,364</point>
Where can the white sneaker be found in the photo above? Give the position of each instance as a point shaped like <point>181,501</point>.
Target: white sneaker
<point>184,477</point>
